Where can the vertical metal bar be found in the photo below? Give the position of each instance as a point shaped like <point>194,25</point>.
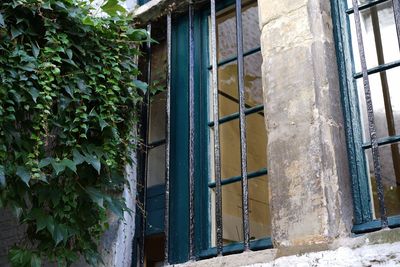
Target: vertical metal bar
<point>191,133</point>
<point>168,139</point>
<point>242,119</point>
<point>385,92</point>
<point>146,149</point>
<point>217,150</point>
<point>371,119</point>
<point>396,9</point>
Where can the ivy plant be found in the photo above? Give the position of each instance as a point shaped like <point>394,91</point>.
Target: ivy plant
<point>68,92</point>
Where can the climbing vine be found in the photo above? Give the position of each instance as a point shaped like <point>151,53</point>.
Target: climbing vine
<point>68,92</point>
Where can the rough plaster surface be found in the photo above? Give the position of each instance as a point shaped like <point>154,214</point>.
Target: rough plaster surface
<point>374,255</point>
<point>311,200</point>
<point>117,242</point>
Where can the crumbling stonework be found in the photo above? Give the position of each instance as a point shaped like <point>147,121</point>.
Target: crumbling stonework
<point>311,198</point>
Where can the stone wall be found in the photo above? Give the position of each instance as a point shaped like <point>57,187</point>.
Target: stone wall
<point>308,172</point>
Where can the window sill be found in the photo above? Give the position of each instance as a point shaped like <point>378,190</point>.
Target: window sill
<point>260,244</point>
<point>375,225</point>
<point>241,259</point>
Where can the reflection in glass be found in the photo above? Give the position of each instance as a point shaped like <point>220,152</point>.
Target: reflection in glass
<point>256,142</point>
<point>228,86</point>
<point>260,225</point>
<point>379,35</point>
<point>157,117</point>
<point>226,28</point>
<point>156,166</point>
<point>391,186</point>
<point>230,149</point>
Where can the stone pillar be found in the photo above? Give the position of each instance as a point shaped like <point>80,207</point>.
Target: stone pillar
<point>308,167</point>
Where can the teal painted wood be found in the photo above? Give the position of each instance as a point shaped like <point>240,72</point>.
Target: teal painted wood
<point>142,2</point>
<point>179,217</point>
<point>384,141</point>
<point>350,105</point>
<point>255,245</point>
<point>374,225</point>
<point>379,68</point>
<point>155,210</point>
<point>179,205</point>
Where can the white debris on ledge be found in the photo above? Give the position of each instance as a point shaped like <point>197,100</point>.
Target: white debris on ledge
<point>374,255</point>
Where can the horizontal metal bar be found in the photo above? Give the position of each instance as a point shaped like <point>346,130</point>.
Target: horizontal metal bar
<point>379,68</point>
<point>367,5</point>
<point>383,141</point>
<point>239,178</point>
<point>236,115</point>
<point>157,143</point>
<point>231,59</point>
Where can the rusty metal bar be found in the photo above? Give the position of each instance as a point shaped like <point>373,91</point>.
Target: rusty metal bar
<point>168,140</point>
<point>217,149</point>
<point>191,133</point>
<point>371,119</point>
<point>386,92</point>
<point>146,150</point>
<point>242,120</point>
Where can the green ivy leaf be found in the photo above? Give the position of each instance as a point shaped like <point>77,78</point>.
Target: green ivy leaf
<point>36,261</point>
<point>34,93</point>
<point>96,196</point>
<point>111,7</point>
<point>94,161</point>
<point>15,32</point>
<point>2,177</point>
<point>2,23</point>
<point>69,53</point>
<point>78,158</point>
<point>69,164</point>
<point>35,49</point>
<point>24,174</point>
<point>102,123</point>
<point>58,167</point>
<point>45,162</point>
<point>141,85</point>
<point>116,207</point>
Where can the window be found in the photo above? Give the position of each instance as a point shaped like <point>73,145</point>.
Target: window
<point>198,114</point>
<point>368,50</point>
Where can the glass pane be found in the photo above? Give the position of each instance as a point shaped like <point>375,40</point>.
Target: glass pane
<point>253,80</point>
<point>228,86</point>
<point>390,173</point>
<point>157,117</point>
<point>232,220</point>
<point>226,28</point>
<point>156,166</point>
<point>159,63</point>
<point>256,142</point>
<point>379,35</point>
<point>386,102</point>
<point>228,89</point>
<point>230,149</point>
<point>260,219</point>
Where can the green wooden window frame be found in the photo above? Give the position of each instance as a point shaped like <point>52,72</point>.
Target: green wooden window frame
<point>179,206</point>
<point>142,2</point>
<point>363,215</point>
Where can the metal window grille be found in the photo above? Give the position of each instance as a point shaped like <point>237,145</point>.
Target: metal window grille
<point>392,139</point>
<point>244,110</point>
